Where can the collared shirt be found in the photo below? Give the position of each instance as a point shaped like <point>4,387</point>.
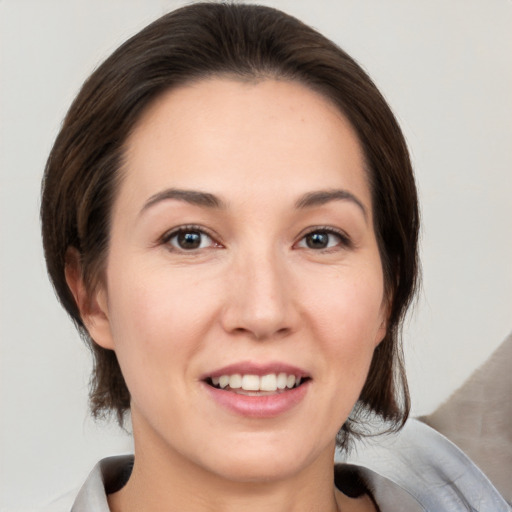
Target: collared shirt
<point>432,470</point>
<point>416,470</point>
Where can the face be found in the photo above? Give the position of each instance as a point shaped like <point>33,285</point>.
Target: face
<point>243,290</point>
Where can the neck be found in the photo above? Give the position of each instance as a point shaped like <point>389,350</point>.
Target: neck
<point>163,479</point>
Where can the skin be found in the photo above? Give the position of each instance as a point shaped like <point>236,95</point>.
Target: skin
<point>253,291</point>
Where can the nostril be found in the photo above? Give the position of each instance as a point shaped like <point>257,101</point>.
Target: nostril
<point>261,334</point>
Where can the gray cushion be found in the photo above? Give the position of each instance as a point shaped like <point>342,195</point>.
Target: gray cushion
<point>478,418</point>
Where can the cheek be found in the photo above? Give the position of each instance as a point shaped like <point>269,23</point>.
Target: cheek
<point>155,305</point>
<point>348,318</point>
<point>351,307</point>
<point>345,317</point>
<point>158,321</point>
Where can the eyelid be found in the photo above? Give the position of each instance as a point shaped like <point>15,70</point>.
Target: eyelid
<point>171,233</point>
<point>345,239</point>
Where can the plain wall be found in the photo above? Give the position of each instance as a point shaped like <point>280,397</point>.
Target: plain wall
<point>444,67</point>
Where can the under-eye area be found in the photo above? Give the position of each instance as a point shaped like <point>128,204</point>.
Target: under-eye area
<point>256,384</point>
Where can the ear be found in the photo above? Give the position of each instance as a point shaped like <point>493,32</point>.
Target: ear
<point>381,332</point>
<point>93,306</point>
<point>385,311</point>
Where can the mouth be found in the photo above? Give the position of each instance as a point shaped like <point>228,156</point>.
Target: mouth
<point>258,391</point>
<point>257,385</point>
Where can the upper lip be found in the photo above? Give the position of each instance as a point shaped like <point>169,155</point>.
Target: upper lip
<point>260,369</point>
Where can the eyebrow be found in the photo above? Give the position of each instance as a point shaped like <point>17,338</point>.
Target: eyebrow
<point>207,200</point>
<point>322,197</point>
<point>194,197</point>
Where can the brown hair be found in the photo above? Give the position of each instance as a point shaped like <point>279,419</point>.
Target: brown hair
<point>246,42</point>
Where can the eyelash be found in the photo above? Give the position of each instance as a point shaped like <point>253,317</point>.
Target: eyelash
<point>167,237</point>
<point>344,239</point>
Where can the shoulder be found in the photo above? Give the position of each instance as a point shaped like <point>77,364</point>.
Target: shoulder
<point>61,504</point>
<point>421,465</point>
<point>108,475</point>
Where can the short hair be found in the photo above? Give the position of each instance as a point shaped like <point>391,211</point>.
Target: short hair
<point>245,42</point>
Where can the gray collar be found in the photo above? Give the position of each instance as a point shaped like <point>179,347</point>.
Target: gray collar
<point>416,470</point>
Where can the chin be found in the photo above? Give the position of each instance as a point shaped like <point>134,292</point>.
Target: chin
<point>256,461</point>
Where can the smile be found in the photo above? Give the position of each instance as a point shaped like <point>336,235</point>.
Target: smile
<point>249,384</point>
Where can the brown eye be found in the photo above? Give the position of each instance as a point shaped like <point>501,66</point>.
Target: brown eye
<point>189,240</point>
<point>324,239</point>
<point>317,240</point>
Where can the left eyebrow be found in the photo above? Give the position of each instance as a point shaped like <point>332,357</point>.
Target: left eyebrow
<point>197,198</point>
<point>322,197</point>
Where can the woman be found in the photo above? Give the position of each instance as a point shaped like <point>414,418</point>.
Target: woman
<point>230,217</point>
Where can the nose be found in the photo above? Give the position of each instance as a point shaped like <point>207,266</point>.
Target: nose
<point>261,301</point>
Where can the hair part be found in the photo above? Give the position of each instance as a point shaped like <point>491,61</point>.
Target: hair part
<point>246,42</point>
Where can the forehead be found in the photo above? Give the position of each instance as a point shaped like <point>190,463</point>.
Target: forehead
<point>221,133</point>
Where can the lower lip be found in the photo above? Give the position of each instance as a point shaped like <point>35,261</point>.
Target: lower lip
<point>265,406</point>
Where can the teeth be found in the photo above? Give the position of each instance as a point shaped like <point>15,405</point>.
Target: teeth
<point>281,380</point>
<point>250,383</point>
<point>224,381</point>
<point>235,381</point>
<point>269,382</point>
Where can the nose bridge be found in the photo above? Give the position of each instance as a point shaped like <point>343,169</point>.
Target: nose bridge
<point>260,302</point>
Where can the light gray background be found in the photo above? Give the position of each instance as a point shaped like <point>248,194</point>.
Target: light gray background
<point>444,66</point>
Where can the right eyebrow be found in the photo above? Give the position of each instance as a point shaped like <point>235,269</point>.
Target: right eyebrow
<point>321,197</point>
<point>195,197</point>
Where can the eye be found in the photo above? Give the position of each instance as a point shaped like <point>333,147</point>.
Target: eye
<point>189,239</point>
<point>321,239</point>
